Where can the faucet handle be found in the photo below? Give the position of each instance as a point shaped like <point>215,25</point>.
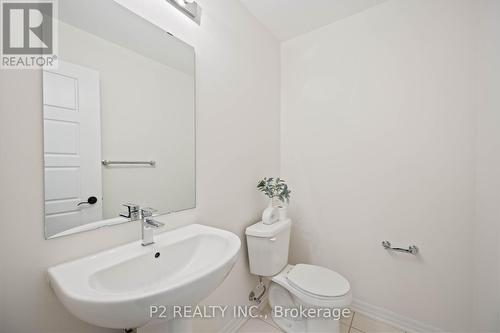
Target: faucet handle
<point>132,210</point>
<point>147,211</point>
<point>150,223</point>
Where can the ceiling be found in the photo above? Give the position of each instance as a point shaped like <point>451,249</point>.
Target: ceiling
<point>287,19</point>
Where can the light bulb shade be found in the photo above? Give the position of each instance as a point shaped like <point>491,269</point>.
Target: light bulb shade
<point>188,7</point>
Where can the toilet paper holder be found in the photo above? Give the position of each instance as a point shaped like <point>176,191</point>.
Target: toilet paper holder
<point>412,249</point>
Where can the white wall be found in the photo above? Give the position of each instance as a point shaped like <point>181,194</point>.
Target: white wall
<point>487,246</point>
<point>379,115</point>
<point>237,143</point>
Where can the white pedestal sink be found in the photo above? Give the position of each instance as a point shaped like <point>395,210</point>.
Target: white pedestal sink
<point>115,288</point>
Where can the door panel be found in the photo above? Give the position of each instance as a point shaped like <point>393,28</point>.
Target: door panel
<point>57,113</point>
<point>62,183</point>
<point>62,90</point>
<point>60,206</point>
<point>63,221</point>
<point>61,137</point>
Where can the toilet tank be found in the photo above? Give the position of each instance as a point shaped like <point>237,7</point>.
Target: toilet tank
<point>268,247</point>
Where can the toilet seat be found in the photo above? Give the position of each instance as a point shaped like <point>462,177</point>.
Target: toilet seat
<point>318,281</point>
<point>304,294</point>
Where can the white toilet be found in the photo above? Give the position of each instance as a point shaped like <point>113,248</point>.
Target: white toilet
<point>300,287</point>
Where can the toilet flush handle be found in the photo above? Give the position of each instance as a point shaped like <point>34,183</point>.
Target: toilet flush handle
<point>272,239</point>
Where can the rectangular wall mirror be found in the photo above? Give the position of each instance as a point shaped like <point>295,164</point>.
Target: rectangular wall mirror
<point>119,119</point>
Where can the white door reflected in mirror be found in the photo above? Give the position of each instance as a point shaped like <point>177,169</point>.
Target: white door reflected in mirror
<point>71,115</point>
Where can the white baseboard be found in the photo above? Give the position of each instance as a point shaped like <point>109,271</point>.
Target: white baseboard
<point>392,318</point>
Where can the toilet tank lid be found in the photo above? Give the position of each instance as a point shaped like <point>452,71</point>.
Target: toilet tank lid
<point>267,230</point>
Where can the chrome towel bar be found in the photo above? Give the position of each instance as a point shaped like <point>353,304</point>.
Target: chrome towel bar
<point>412,249</point>
<point>107,163</point>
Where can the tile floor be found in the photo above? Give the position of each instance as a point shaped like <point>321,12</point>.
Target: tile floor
<point>357,323</point>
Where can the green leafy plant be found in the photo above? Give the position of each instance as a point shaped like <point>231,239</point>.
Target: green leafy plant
<point>275,188</point>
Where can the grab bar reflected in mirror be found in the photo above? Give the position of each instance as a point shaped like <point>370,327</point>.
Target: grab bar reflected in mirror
<point>107,163</point>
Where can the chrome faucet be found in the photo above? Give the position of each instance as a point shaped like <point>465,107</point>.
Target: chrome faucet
<point>148,226</point>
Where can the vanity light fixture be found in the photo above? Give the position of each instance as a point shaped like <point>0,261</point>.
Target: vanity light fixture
<point>190,8</point>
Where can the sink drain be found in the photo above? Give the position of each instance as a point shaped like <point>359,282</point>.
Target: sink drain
<point>157,254</point>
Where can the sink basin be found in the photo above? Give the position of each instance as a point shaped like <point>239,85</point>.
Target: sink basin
<point>115,288</point>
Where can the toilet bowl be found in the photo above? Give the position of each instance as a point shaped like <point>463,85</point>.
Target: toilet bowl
<point>303,298</point>
<point>305,287</point>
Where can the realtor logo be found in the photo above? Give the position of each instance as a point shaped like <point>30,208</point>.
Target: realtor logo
<point>28,31</point>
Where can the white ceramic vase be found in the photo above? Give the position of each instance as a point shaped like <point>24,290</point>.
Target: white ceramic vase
<point>276,211</point>
<point>282,212</point>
